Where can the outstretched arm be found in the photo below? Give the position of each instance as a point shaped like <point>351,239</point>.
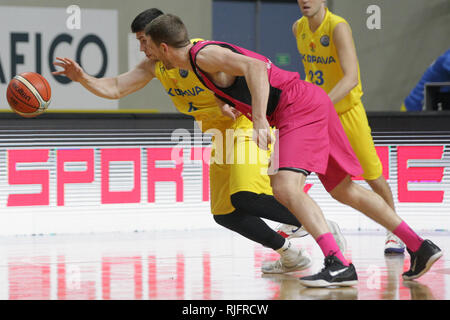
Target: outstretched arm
<point>216,60</point>
<point>110,87</point>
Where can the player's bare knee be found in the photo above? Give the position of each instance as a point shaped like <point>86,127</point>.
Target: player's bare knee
<point>278,192</point>
<point>286,195</point>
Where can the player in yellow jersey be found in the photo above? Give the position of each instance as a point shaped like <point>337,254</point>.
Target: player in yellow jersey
<point>240,194</point>
<point>326,45</point>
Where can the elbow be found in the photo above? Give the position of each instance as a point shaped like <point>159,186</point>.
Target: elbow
<point>350,79</point>
<point>263,65</point>
<point>257,66</point>
<point>257,69</point>
<point>110,96</point>
<point>115,91</point>
<point>115,94</point>
<point>353,82</point>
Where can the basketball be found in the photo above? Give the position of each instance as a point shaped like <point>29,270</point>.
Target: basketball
<point>28,94</point>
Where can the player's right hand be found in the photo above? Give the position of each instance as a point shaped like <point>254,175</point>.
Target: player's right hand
<point>261,134</point>
<point>71,69</point>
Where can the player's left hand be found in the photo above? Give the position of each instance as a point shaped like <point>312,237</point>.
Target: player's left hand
<point>230,112</point>
<point>227,110</point>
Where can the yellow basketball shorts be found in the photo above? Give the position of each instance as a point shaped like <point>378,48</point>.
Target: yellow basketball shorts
<point>242,166</point>
<point>359,134</point>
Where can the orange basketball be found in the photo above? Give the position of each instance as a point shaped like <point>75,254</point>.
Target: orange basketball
<point>28,94</point>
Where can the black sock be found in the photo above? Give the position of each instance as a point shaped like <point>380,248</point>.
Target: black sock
<point>263,206</point>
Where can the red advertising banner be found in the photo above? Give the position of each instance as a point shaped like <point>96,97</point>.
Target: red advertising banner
<point>407,173</point>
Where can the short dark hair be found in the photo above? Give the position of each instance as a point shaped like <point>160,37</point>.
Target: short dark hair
<point>144,18</point>
<point>168,28</point>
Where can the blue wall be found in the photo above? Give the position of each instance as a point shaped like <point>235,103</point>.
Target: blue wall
<point>236,22</point>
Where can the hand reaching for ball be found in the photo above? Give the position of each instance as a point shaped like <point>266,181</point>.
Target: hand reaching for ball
<point>72,70</point>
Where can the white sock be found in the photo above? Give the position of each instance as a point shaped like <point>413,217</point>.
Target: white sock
<point>288,253</point>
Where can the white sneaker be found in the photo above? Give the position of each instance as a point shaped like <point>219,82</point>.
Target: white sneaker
<point>338,236</point>
<point>393,244</point>
<point>303,261</point>
<point>288,231</point>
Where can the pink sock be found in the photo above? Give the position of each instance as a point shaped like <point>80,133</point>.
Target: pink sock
<point>408,236</point>
<point>329,246</point>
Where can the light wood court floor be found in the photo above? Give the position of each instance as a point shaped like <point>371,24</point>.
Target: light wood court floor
<point>200,265</point>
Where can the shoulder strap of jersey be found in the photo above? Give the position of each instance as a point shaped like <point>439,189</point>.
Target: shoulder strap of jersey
<point>201,74</point>
<point>193,57</point>
<point>198,45</point>
<point>300,26</point>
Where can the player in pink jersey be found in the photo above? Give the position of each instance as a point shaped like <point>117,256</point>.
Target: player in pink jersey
<point>311,139</point>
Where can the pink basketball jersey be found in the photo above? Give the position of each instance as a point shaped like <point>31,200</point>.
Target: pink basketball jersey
<point>238,94</point>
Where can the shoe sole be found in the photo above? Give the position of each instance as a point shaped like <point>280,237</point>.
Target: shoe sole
<point>394,250</point>
<point>298,235</point>
<point>429,264</point>
<point>299,268</point>
<point>323,283</point>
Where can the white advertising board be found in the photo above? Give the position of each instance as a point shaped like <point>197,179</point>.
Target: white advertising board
<point>32,38</point>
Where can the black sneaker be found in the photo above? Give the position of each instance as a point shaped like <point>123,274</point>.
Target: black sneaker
<point>333,274</point>
<point>422,260</point>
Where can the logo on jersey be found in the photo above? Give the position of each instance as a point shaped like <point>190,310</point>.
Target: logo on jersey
<point>318,59</point>
<point>183,73</point>
<point>303,36</point>
<point>193,92</point>
<point>192,107</point>
<point>325,40</point>
<point>312,46</point>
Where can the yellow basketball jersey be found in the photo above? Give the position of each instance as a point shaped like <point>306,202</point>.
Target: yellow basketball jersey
<point>321,61</point>
<point>191,97</point>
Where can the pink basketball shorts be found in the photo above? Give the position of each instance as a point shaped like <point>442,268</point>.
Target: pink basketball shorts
<point>311,137</point>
